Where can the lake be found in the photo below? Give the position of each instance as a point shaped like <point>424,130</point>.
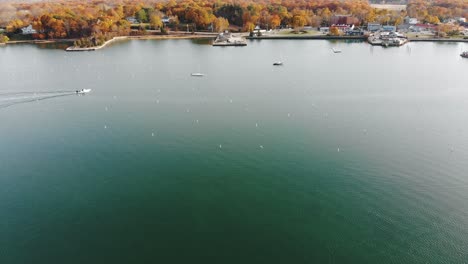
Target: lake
<point>356,157</point>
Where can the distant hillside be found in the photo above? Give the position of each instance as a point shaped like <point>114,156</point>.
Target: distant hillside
<point>396,2</point>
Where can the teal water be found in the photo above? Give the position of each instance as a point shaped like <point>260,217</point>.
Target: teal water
<point>358,157</point>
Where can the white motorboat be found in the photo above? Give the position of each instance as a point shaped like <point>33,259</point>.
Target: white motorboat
<point>336,50</point>
<point>278,63</point>
<point>198,74</point>
<point>83,91</point>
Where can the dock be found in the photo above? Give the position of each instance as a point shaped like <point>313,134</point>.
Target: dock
<point>387,39</point>
<point>228,39</point>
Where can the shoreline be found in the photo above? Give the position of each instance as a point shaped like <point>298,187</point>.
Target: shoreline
<point>146,37</point>
<point>207,35</point>
<point>178,35</point>
<point>364,38</point>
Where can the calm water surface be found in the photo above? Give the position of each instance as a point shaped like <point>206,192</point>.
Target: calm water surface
<point>358,157</point>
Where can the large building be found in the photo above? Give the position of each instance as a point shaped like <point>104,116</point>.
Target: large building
<point>343,20</point>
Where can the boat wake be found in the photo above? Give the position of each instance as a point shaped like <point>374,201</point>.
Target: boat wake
<point>8,99</point>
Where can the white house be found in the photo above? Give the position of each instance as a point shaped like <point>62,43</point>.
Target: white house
<point>132,20</point>
<point>166,20</point>
<point>28,30</point>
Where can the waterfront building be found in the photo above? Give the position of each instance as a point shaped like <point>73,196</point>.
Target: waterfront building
<point>374,27</point>
<point>388,28</point>
<point>28,30</point>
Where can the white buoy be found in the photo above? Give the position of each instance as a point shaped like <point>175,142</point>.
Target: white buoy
<point>256,124</point>
<point>230,101</point>
<point>289,115</point>
<point>220,146</point>
<point>152,134</point>
<point>261,146</point>
<point>338,149</point>
<point>196,121</point>
<point>105,127</point>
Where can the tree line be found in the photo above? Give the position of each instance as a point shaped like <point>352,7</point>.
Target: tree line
<point>102,19</point>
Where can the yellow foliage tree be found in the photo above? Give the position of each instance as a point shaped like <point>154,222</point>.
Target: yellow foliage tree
<point>220,24</point>
<point>249,27</point>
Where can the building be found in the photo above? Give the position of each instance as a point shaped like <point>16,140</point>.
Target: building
<point>373,27</point>
<point>166,20</point>
<point>343,27</point>
<point>343,20</point>
<point>355,32</point>
<point>324,30</point>
<point>132,20</point>
<point>411,21</point>
<point>28,30</point>
<point>423,27</point>
<point>388,28</point>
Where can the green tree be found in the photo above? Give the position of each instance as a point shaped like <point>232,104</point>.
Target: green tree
<point>141,16</point>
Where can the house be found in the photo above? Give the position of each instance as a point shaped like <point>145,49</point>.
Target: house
<point>343,27</point>
<point>166,20</point>
<point>28,30</point>
<point>373,27</point>
<point>132,20</point>
<point>388,28</point>
<point>411,21</point>
<point>423,27</point>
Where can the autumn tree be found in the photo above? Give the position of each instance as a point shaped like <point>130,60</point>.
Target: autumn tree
<point>14,25</point>
<point>249,27</point>
<point>334,31</point>
<point>3,39</point>
<point>155,21</point>
<point>275,21</point>
<point>220,24</point>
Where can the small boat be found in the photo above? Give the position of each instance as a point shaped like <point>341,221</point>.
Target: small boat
<point>278,63</point>
<point>464,54</point>
<point>198,74</point>
<point>336,50</point>
<point>83,91</point>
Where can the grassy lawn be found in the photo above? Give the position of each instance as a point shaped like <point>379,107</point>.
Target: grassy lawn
<point>418,35</point>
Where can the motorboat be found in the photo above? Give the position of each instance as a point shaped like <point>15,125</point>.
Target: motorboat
<point>278,63</point>
<point>198,74</point>
<point>336,50</point>
<point>464,54</point>
<point>83,91</point>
